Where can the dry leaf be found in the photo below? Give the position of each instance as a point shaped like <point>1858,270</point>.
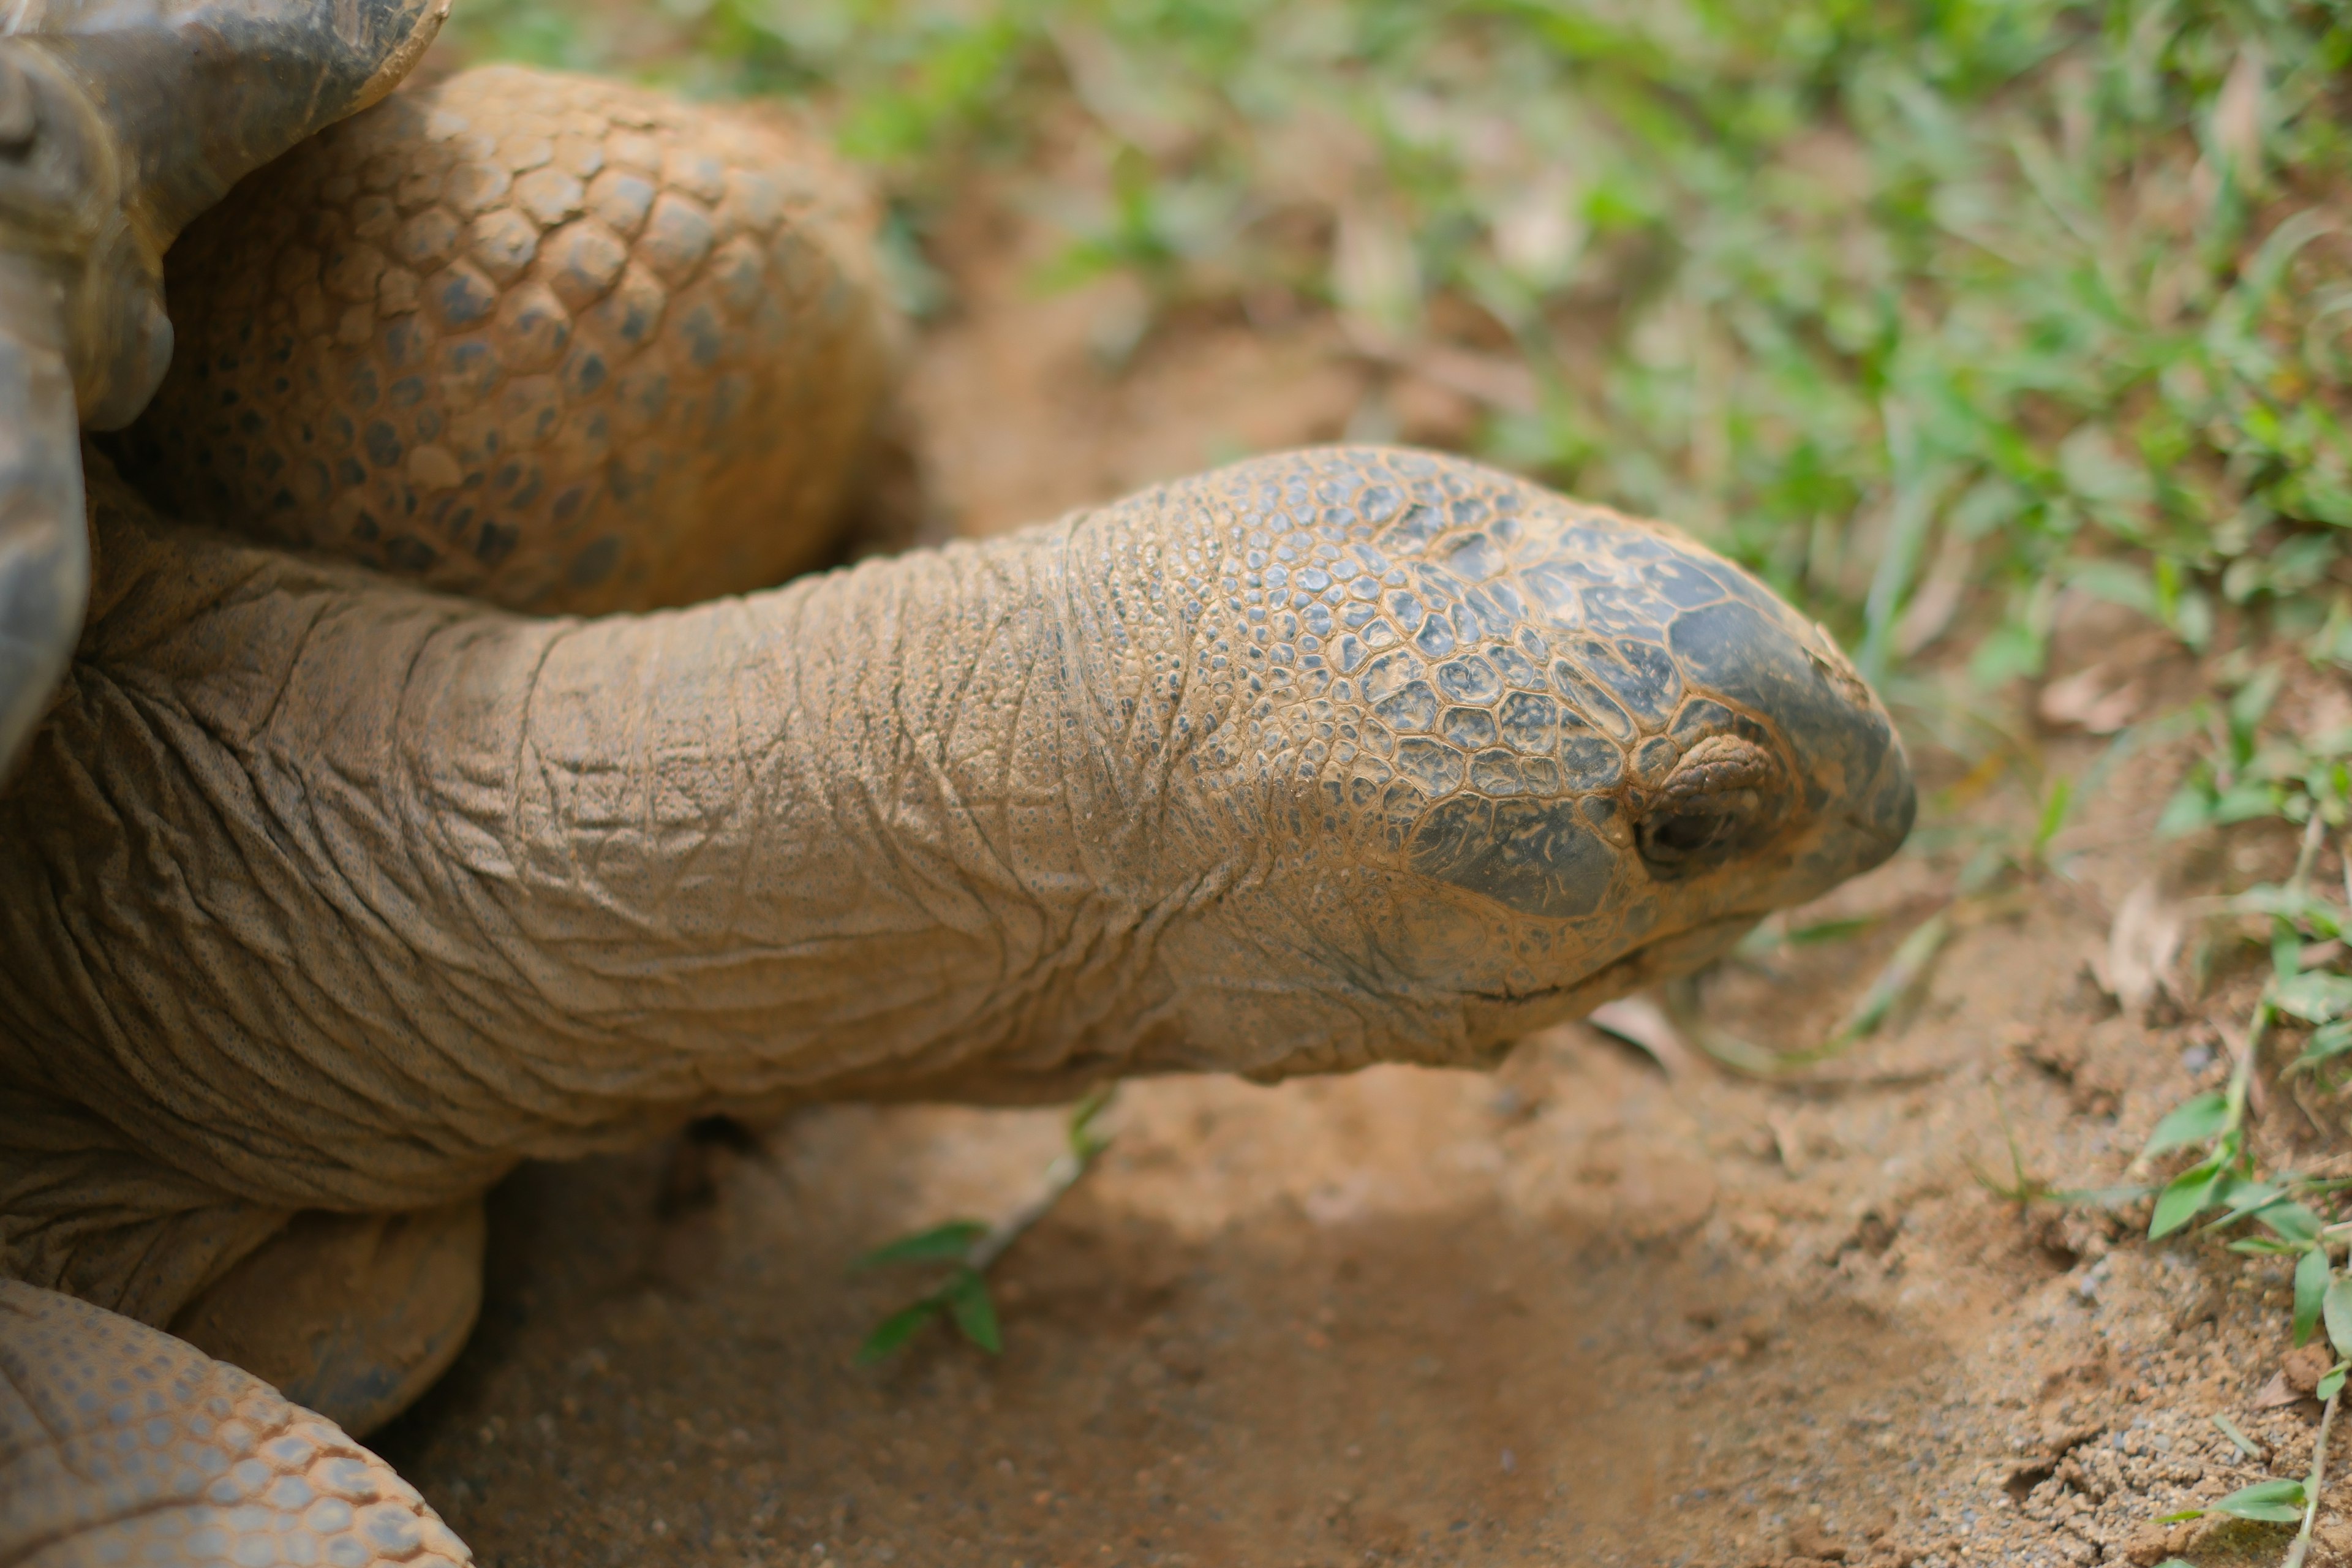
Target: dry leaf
<point>1639,1021</point>
<point>2144,944</point>
<point>2276,1393</point>
<point>2086,701</point>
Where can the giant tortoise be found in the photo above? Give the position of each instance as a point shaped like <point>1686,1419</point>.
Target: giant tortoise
<point>411,768</point>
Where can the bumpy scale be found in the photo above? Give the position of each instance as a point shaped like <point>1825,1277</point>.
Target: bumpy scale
<point>122,1445</point>
<point>556,342</point>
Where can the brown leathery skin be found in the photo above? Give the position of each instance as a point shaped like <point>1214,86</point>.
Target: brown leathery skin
<point>1328,758</point>
<point>120,1444</point>
<point>556,342</point>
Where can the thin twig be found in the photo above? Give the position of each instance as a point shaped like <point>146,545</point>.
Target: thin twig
<point>2311,1487</point>
<point>2308,852</point>
<point>1068,1169</point>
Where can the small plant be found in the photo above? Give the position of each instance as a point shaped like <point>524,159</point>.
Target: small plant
<point>2245,777</point>
<point>972,1247</point>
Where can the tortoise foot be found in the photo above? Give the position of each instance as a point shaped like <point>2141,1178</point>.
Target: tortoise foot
<point>352,1316</point>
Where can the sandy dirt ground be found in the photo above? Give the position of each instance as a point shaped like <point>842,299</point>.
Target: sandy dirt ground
<point>1593,1308</point>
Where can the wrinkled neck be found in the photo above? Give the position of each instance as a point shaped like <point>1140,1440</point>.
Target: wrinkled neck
<point>356,895</point>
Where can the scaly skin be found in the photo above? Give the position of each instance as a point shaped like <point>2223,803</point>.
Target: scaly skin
<point>120,1444</point>
<point>327,898</point>
<point>556,343</point>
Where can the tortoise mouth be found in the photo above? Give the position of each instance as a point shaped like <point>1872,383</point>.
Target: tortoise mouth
<point>1678,952</point>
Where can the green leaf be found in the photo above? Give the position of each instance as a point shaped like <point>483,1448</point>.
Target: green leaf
<point>2331,1380</point>
<point>940,1244</point>
<point>2183,1199</point>
<point>895,1330</point>
<point>1830,931</point>
<point>2240,1198</point>
<point>2053,813</point>
<point>2245,803</point>
<point>2291,1221</point>
<point>2272,1502</point>
<point>2099,1197</point>
<point>2197,1121</point>
<point>2311,1273</point>
<point>2190,808</point>
<point>2336,1310</point>
<point>974,1313</point>
<point>2315,996</point>
<point>2326,1045</point>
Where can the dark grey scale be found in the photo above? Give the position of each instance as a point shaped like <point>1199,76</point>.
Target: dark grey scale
<point>1412,709</point>
<point>1474,559</point>
<point>1436,637</point>
<point>1437,585</point>
<point>1469,679</point>
<point>1639,675</point>
<point>1528,721</point>
<point>1468,728</point>
<point>406,553</point>
<point>1619,611</point>
<point>1702,716</point>
<point>1431,765</point>
<point>1516,669</point>
<point>1507,597</point>
<point>1736,585</point>
<point>1681,583</point>
<point>1588,761</point>
<point>1641,918</point>
<point>1412,530</point>
<point>1534,856</point>
<point>1558,590</point>
<point>1496,772</point>
<point>1492,618</point>
<point>1655,758</point>
<point>1542,775</point>
<point>1596,708</point>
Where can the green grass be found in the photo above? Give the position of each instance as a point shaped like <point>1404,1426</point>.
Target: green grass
<point>2021,292</point>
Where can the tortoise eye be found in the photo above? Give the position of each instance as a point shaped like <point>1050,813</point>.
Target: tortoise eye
<point>1715,806</point>
<point>1673,842</point>
<point>1684,833</point>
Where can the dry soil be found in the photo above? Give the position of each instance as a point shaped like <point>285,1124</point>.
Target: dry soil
<point>1597,1308</point>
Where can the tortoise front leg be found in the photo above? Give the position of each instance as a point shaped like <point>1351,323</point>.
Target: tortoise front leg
<point>120,1444</point>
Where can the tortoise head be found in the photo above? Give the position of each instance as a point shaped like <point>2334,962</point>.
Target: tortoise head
<point>117,124</point>
<point>1519,754</point>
